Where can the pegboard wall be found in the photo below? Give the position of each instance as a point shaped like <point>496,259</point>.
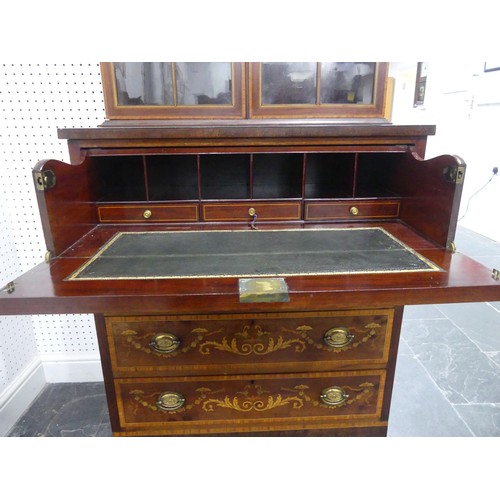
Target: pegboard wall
<point>35,100</point>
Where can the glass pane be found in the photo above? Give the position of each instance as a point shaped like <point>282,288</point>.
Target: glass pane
<point>203,83</point>
<point>289,83</point>
<point>143,83</point>
<point>347,82</point>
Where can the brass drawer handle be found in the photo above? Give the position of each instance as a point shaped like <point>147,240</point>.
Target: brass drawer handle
<point>147,214</point>
<point>338,337</point>
<point>170,401</point>
<point>164,343</point>
<point>333,396</point>
<point>354,210</point>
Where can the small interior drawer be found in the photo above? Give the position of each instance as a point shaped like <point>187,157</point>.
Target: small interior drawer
<point>178,212</point>
<point>335,210</point>
<point>245,211</point>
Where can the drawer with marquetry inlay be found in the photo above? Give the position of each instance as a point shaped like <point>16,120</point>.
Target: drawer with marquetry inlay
<point>249,343</point>
<point>205,405</point>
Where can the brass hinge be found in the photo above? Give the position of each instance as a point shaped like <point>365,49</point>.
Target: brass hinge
<point>9,287</point>
<point>452,247</point>
<point>455,174</point>
<point>495,274</point>
<point>45,180</point>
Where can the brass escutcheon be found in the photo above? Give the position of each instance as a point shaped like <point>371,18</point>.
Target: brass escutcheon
<point>147,214</point>
<point>333,396</point>
<point>170,401</point>
<point>164,343</point>
<point>338,337</point>
<point>354,210</point>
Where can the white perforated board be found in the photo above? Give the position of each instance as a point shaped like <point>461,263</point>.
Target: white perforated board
<point>35,100</point>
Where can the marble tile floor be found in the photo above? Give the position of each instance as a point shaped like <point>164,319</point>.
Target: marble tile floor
<point>447,377</point>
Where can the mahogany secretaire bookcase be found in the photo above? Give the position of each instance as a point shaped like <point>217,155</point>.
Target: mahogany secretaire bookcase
<point>245,248</point>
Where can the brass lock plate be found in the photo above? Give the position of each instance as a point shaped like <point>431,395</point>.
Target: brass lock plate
<point>263,290</point>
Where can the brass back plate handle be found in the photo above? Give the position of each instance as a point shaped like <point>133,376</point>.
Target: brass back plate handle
<point>170,401</point>
<point>333,396</point>
<point>164,343</point>
<point>338,337</point>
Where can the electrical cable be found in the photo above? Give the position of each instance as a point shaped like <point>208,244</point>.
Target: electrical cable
<point>495,172</point>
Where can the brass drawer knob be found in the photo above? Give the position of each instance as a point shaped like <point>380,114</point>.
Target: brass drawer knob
<point>251,212</point>
<point>338,337</point>
<point>354,210</point>
<point>170,401</point>
<point>147,214</point>
<point>164,343</point>
<point>333,396</point>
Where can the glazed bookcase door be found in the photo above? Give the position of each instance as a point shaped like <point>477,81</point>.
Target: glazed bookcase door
<point>173,90</point>
<point>317,89</point>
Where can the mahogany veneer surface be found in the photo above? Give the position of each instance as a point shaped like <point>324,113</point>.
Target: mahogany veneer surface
<point>45,287</point>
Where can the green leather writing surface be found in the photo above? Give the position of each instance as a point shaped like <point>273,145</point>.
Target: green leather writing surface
<point>249,253</point>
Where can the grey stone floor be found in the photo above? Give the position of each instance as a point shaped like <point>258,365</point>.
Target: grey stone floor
<point>448,372</point>
<point>447,377</point>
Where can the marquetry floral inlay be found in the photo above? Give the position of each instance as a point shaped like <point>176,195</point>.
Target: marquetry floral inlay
<point>253,339</point>
<point>255,398</point>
